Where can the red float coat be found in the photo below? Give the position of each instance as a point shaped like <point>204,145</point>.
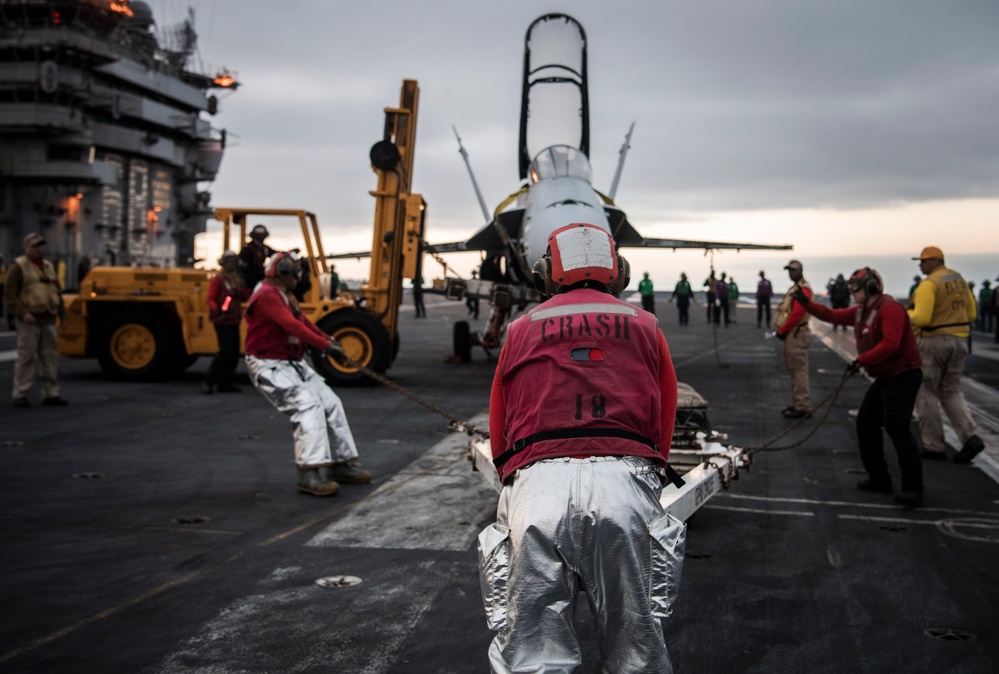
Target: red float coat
<point>581,361</point>
<point>885,345</point>
<point>218,290</point>
<point>275,330</point>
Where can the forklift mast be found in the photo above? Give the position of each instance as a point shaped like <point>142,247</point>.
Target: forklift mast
<point>400,215</point>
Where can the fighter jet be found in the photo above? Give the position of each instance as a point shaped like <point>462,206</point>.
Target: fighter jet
<point>558,187</point>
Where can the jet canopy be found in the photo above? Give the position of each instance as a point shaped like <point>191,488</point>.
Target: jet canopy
<point>560,161</point>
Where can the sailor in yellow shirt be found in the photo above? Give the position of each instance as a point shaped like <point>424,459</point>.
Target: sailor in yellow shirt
<point>942,311</point>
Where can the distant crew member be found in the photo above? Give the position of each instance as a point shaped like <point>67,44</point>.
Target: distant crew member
<point>764,293</point>
<point>253,255</point>
<point>684,295</point>
<point>226,293</point>
<point>721,300</point>
<point>839,295</point>
<point>334,282</point>
<point>276,336</point>
<point>34,299</point>
<point>887,350</point>
<point>709,294</point>
<point>916,280</point>
<point>986,312</point>
<point>472,303</point>
<point>733,297</point>
<point>942,312</point>
<point>648,297</point>
<point>581,423</point>
<point>791,326</point>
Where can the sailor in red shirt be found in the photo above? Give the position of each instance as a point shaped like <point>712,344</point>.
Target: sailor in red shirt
<point>276,336</point>
<point>887,350</point>
<point>581,420</point>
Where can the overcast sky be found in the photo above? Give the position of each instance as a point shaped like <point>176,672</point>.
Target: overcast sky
<point>785,121</point>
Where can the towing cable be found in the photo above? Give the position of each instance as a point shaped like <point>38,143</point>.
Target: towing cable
<point>829,399</point>
<point>726,471</point>
<point>456,423</point>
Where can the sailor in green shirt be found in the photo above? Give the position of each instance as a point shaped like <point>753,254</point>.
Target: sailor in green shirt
<point>645,289</point>
<point>733,297</point>
<point>683,294</point>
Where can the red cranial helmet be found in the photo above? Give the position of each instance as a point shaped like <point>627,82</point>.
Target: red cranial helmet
<point>866,279</point>
<point>283,264</point>
<point>582,252</point>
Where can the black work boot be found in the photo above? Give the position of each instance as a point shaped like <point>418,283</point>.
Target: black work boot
<point>346,472</point>
<point>310,482</point>
<point>971,447</point>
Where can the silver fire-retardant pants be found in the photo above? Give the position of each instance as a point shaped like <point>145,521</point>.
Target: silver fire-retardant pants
<point>322,435</point>
<point>565,525</point>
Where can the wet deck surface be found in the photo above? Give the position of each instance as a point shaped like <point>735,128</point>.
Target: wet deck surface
<point>148,528</point>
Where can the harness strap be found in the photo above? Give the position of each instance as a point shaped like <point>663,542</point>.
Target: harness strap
<point>945,325</point>
<point>569,433</point>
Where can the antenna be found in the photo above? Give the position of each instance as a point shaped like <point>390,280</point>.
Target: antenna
<point>475,184</point>
<point>622,153</point>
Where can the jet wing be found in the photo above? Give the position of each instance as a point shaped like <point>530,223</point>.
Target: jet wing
<point>627,236</point>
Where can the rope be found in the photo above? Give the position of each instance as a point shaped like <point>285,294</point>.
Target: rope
<point>456,423</point>
<point>829,399</point>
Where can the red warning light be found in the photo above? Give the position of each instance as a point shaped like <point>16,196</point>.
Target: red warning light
<point>56,18</point>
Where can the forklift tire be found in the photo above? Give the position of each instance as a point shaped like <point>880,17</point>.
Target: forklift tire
<point>135,346</point>
<point>364,339</point>
<point>463,341</point>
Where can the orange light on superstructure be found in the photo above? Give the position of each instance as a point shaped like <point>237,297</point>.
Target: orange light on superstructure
<point>225,79</point>
<point>79,195</point>
<point>120,7</point>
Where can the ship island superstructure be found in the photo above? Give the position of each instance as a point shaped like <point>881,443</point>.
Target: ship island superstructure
<point>106,144</point>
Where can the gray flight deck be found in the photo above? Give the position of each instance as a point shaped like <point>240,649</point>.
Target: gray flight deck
<point>149,528</point>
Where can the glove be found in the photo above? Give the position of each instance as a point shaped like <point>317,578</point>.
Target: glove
<point>799,296</point>
<point>781,336</point>
<point>335,351</point>
<point>854,367</point>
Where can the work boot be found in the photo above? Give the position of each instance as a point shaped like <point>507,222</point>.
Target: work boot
<point>207,388</point>
<point>228,388</point>
<point>55,401</point>
<point>310,482</point>
<point>796,414</point>
<point>882,486</point>
<point>971,447</point>
<point>343,471</point>
<point>934,455</point>
<point>21,402</point>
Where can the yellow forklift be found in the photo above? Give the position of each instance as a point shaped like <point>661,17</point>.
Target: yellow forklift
<point>143,323</point>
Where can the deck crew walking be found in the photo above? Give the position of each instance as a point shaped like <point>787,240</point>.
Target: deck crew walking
<point>943,309</point>
<point>276,336</point>
<point>581,418</point>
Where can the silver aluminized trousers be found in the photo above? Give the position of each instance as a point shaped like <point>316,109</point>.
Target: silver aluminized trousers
<point>322,435</point>
<point>566,525</point>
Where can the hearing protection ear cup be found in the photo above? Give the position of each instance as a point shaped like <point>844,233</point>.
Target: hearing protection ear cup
<point>542,276</point>
<point>623,275</point>
<point>538,274</point>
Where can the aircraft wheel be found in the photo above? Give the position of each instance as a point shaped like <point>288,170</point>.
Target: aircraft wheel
<point>135,346</point>
<point>463,341</point>
<point>363,338</point>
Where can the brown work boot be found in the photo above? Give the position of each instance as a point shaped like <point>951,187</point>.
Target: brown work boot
<point>311,482</point>
<point>343,471</point>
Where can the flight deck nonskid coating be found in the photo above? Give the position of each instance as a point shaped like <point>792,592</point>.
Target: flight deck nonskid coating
<point>798,569</point>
